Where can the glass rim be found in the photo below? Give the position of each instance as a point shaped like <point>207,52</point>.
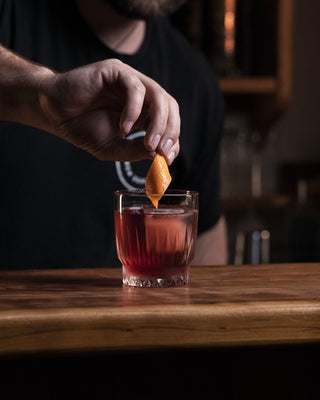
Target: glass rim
<point>168,193</point>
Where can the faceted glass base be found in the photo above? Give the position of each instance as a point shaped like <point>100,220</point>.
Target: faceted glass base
<point>153,281</point>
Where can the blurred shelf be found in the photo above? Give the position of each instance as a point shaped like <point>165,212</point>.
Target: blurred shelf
<point>260,81</point>
<point>277,202</point>
<point>248,85</point>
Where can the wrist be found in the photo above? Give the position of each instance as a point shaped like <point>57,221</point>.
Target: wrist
<point>20,86</point>
<point>31,90</point>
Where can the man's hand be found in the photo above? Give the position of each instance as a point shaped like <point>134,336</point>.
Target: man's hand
<point>96,106</point>
<point>93,107</point>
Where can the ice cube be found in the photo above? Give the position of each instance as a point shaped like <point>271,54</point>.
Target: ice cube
<point>165,235</point>
<point>134,210</point>
<point>163,211</point>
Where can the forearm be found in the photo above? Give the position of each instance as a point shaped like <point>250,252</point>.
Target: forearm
<point>20,85</point>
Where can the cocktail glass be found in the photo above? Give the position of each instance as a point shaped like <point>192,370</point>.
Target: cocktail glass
<point>155,245</point>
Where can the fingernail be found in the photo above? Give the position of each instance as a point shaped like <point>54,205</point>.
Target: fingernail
<point>167,146</point>
<point>127,126</point>
<point>154,141</point>
<point>171,157</point>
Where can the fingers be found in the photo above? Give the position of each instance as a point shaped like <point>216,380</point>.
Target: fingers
<point>96,106</point>
<point>163,129</point>
<point>174,151</point>
<point>135,96</point>
<point>158,114</point>
<point>151,108</point>
<point>169,143</point>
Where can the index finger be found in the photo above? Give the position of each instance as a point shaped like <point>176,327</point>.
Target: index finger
<point>164,119</point>
<point>135,97</point>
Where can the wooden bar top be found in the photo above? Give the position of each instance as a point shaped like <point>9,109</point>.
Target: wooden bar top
<point>82,310</point>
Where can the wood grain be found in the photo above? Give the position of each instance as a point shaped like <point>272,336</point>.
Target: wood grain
<point>88,309</point>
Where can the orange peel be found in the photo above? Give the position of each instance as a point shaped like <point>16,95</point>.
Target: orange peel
<point>158,179</point>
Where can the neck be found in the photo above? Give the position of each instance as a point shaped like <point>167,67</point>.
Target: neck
<point>119,33</point>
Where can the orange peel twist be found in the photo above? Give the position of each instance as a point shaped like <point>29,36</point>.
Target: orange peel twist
<point>158,179</point>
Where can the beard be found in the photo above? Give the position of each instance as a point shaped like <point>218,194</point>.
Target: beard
<point>145,9</point>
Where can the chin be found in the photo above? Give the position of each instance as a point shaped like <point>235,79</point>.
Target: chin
<point>145,9</point>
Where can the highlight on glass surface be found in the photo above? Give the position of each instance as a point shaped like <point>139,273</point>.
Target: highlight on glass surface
<point>155,245</point>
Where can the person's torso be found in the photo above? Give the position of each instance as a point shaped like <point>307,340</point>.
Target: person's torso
<point>56,203</point>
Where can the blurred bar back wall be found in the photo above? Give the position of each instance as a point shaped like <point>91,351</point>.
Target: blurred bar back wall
<point>267,58</point>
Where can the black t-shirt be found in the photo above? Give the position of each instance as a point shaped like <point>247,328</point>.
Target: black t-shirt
<point>56,203</point>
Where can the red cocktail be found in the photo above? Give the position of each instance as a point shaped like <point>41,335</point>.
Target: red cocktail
<point>156,245</point>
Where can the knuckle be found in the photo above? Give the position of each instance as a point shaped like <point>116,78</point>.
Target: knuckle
<point>162,115</point>
<point>138,87</point>
<point>114,62</point>
<point>158,92</point>
<point>164,95</point>
<point>133,84</point>
<point>173,102</point>
<point>163,104</point>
